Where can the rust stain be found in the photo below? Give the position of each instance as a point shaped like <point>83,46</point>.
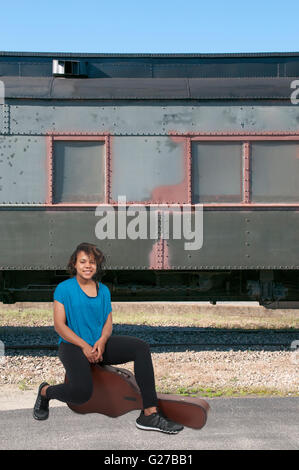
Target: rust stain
<point>155,260</point>
<point>175,193</point>
<point>166,255</point>
<point>159,255</point>
<point>170,193</point>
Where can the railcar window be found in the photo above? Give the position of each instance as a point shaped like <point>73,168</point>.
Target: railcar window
<point>275,171</point>
<point>78,171</point>
<point>216,172</point>
<point>148,169</point>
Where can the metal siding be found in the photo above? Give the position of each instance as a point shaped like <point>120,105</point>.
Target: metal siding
<point>273,239</point>
<point>231,68</point>
<point>5,112</point>
<point>244,240</point>
<point>119,69</point>
<point>292,68</point>
<point>23,170</point>
<point>231,240</point>
<point>128,253</point>
<point>212,88</point>
<point>1,119</point>
<point>9,68</point>
<point>223,243</point>
<point>25,242</point>
<point>39,69</point>
<point>175,65</point>
<point>149,118</point>
<point>69,228</point>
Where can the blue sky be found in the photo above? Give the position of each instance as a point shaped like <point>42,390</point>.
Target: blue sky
<point>152,26</point>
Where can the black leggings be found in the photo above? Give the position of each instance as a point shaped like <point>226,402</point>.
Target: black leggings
<point>118,350</point>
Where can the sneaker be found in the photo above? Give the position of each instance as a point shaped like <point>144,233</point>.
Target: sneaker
<point>41,407</point>
<point>157,422</point>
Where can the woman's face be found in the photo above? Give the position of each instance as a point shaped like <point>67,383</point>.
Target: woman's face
<point>85,265</point>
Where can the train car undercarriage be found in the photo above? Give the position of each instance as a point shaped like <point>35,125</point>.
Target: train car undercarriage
<point>271,288</point>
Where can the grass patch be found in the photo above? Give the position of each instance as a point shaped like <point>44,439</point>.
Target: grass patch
<point>26,317</point>
<point>210,319</point>
<point>205,317</point>
<point>23,385</point>
<point>230,392</point>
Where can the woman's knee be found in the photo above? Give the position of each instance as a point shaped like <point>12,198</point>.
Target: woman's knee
<point>80,394</point>
<point>141,346</point>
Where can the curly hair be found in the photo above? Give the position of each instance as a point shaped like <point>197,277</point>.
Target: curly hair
<point>90,250</point>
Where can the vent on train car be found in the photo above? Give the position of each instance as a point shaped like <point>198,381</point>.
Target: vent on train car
<point>69,68</point>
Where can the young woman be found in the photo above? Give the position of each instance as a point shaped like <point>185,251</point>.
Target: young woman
<point>83,321</point>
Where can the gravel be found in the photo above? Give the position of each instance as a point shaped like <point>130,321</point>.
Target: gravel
<point>269,368</point>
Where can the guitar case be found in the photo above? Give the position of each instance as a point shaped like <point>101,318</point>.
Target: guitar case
<point>115,392</point>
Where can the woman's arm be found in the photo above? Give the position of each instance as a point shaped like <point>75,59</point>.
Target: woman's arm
<point>107,328</point>
<point>66,333</point>
<point>99,346</point>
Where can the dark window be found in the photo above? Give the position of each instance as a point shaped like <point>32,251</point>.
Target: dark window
<point>216,172</point>
<point>78,171</point>
<point>275,171</point>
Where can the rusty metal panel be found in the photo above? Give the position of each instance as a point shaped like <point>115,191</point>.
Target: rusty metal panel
<point>150,169</point>
<point>41,118</point>
<point>275,171</point>
<point>23,170</point>
<point>150,118</point>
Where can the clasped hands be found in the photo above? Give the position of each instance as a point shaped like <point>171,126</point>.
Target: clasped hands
<point>94,353</point>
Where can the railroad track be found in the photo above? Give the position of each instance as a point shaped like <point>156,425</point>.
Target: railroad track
<point>233,338</point>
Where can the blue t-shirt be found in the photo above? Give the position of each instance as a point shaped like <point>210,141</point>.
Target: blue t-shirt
<point>85,315</point>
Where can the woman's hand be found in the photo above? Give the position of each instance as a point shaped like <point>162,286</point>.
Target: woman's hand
<point>89,352</point>
<point>99,348</point>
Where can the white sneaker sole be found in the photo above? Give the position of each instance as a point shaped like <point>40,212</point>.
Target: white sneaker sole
<point>148,428</point>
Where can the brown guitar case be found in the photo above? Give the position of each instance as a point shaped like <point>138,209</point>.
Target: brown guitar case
<point>115,392</point>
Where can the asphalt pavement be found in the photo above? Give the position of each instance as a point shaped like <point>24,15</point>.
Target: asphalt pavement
<point>233,424</point>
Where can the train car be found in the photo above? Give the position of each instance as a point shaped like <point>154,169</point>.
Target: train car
<point>196,155</point>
